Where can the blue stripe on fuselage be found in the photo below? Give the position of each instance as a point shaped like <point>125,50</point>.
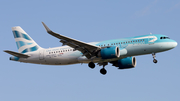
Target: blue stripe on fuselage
<point>144,39</point>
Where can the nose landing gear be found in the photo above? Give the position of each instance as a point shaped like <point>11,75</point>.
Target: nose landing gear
<point>155,61</point>
<point>154,56</point>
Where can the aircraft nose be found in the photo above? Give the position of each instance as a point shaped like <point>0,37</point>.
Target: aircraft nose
<point>174,44</point>
<point>169,45</point>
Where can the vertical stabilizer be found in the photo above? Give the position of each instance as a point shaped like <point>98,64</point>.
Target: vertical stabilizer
<point>23,41</point>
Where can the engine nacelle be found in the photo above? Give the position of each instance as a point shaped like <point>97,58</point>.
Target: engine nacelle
<point>109,52</point>
<point>126,63</point>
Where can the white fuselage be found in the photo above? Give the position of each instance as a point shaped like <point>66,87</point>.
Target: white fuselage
<point>128,47</point>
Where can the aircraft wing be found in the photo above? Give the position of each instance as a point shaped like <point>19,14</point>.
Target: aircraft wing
<point>88,50</point>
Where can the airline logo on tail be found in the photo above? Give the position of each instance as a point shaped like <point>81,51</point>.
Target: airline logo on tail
<point>23,41</point>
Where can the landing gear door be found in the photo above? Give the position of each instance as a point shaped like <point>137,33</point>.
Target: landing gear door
<point>41,54</point>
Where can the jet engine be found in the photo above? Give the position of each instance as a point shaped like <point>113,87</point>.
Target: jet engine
<point>125,63</point>
<point>109,52</point>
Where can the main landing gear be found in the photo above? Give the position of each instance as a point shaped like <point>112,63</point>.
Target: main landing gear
<point>154,56</point>
<point>91,65</point>
<point>103,70</point>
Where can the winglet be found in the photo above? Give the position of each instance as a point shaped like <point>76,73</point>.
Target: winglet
<point>47,29</point>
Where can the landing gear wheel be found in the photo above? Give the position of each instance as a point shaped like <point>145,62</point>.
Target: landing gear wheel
<point>154,56</point>
<point>91,65</point>
<point>155,61</point>
<point>103,71</point>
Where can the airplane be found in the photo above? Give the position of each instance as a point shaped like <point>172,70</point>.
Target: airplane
<point>118,52</point>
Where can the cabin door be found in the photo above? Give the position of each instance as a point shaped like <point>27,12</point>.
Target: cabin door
<point>41,54</point>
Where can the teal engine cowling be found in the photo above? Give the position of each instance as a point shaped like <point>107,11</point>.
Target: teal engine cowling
<point>125,63</point>
<point>109,52</point>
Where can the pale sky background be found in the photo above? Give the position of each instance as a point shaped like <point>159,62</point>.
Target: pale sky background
<point>88,21</point>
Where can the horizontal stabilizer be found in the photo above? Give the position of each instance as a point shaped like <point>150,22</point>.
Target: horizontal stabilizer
<point>17,54</point>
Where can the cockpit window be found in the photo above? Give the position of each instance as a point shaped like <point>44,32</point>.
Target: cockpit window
<point>164,38</point>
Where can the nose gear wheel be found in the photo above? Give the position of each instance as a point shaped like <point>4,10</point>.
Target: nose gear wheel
<point>154,57</point>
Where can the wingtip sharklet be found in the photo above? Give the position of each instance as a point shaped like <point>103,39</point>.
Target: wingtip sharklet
<point>45,26</point>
